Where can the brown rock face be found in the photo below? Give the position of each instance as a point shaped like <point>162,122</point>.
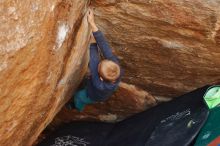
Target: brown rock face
<point>167,47</point>
<point>43,57</point>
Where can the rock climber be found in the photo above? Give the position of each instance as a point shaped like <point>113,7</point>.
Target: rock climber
<point>105,74</point>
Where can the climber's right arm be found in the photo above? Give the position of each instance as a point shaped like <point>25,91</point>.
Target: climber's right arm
<point>93,66</point>
<point>104,46</point>
<point>100,39</point>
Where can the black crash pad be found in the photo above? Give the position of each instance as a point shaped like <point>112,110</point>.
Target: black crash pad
<point>169,124</point>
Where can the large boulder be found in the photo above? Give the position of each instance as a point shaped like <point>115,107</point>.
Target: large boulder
<point>167,47</point>
<point>43,58</point>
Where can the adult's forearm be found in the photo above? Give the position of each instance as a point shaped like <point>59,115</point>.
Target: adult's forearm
<point>94,28</point>
<point>93,66</point>
<point>94,59</point>
<point>102,43</point>
<point>104,46</point>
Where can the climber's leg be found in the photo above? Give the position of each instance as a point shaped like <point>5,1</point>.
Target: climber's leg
<point>70,105</point>
<point>79,101</point>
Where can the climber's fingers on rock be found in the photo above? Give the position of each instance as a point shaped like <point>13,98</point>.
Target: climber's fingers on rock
<point>90,12</point>
<point>90,16</point>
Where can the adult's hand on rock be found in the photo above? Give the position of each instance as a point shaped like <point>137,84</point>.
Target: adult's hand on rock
<point>91,16</point>
<point>91,20</point>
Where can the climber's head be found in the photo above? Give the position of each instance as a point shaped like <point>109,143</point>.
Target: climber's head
<point>109,70</point>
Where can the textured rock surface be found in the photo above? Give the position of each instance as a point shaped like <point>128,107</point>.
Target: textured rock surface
<point>167,47</point>
<point>126,101</point>
<point>43,57</point>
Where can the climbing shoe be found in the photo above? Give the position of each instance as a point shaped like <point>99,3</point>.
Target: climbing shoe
<point>70,106</point>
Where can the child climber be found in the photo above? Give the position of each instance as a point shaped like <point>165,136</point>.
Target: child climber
<point>105,74</point>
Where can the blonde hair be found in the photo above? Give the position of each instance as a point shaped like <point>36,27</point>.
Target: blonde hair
<point>109,70</point>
